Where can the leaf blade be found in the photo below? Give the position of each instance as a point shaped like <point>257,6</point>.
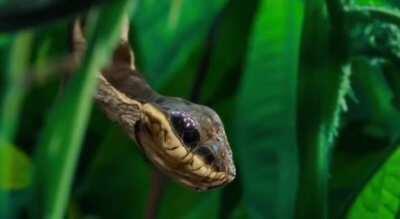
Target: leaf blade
<point>62,137</point>
<point>268,148</point>
<point>11,101</point>
<point>385,187</point>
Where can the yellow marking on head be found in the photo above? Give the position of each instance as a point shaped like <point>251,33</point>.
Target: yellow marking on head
<point>196,163</point>
<point>213,174</point>
<point>176,152</point>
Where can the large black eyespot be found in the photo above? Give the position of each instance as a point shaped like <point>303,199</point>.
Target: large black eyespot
<point>206,154</point>
<point>186,128</point>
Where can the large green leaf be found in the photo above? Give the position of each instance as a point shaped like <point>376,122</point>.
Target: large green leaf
<point>119,167</point>
<point>371,126</point>
<point>265,126</point>
<point>227,61</point>
<point>167,32</point>
<point>323,85</point>
<point>381,196</point>
<point>205,208</point>
<point>232,194</point>
<point>13,92</point>
<point>371,2</point>
<point>62,137</point>
<point>196,205</point>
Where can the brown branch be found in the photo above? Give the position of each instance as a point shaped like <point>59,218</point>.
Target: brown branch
<point>158,183</point>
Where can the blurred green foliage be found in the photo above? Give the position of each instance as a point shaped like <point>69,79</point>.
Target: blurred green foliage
<point>379,199</point>
<point>309,92</point>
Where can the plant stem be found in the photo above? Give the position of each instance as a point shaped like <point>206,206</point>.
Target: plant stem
<point>158,183</point>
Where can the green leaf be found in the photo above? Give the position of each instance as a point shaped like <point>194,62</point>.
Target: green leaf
<point>62,136</point>
<point>323,85</point>
<point>371,2</point>
<point>381,196</point>
<point>240,213</point>
<point>377,96</point>
<point>15,169</point>
<point>393,79</point>
<point>196,205</point>
<point>5,40</point>
<point>12,97</point>
<point>370,126</point>
<point>267,150</point>
<point>51,51</point>
<point>167,32</point>
<point>227,61</point>
<point>15,87</point>
<point>121,168</point>
<point>205,208</point>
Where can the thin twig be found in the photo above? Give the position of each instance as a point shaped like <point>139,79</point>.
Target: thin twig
<point>158,182</point>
